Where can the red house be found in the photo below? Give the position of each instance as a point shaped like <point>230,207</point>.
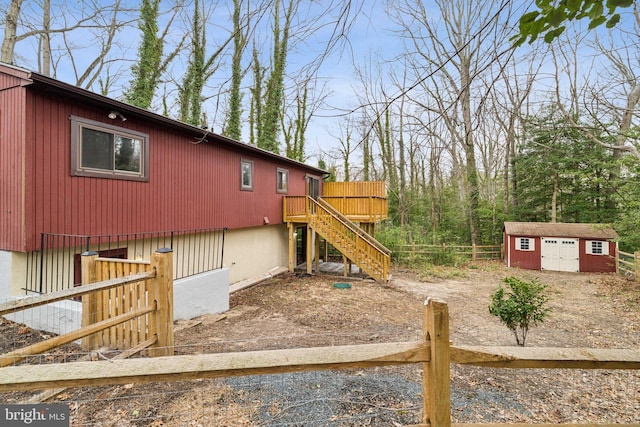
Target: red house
<point>80,171</point>
<point>560,246</point>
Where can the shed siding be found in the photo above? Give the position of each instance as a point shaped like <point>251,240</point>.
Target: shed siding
<point>12,98</point>
<point>529,260</point>
<point>597,263</point>
<point>191,185</point>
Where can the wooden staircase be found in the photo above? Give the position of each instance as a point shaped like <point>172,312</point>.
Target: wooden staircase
<point>347,237</point>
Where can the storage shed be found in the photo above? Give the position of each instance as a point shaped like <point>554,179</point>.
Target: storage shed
<point>560,246</point>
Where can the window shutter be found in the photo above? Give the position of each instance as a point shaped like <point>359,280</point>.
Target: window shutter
<point>588,245</point>
<point>605,248</point>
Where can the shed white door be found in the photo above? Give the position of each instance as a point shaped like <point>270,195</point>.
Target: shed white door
<point>560,254</point>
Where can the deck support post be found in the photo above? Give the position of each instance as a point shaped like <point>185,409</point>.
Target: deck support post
<point>292,246</point>
<point>309,249</point>
<point>316,252</point>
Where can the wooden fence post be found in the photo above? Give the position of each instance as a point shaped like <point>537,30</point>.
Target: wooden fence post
<point>474,254</point>
<point>436,373</point>
<point>89,301</point>
<point>636,265</point>
<point>161,292</point>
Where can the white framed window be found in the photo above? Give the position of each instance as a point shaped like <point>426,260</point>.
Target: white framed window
<point>246,175</point>
<point>106,151</point>
<point>525,244</point>
<point>282,180</point>
<point>597,247</point>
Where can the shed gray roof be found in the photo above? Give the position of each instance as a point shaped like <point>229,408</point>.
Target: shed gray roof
<point>560,229</point>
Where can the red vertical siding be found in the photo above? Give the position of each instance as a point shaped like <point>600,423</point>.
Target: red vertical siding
<point>597,263</point>
<point>12,152</point>
<point>191,185</point>
<point>529,260</point>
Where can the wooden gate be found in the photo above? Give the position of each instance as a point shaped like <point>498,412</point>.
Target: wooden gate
<point>110,303</point>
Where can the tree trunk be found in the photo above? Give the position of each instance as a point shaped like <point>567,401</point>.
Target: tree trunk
<point>10,29</point>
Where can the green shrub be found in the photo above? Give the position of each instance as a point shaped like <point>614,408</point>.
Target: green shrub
<point>520,306</point>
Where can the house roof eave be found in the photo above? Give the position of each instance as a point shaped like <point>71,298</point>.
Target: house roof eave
<point>48,83</point>
<point>547,229</point>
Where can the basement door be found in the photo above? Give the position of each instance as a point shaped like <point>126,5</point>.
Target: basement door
<point>560,254</point>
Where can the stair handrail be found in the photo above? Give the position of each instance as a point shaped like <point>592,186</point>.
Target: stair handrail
<point>354,227</point>
<point>352,231</point>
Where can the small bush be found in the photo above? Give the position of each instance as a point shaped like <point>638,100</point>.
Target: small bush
<point>520,306</point>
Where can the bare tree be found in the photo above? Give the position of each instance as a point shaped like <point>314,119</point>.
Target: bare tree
<point>48,21</point>
<point>604,107</point>
<point>448,55</point>
<point>10,31</point>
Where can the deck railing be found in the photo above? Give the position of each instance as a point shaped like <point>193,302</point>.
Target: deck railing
<point>365,189</point>
<point>349,239</point>
<point>361,209</point>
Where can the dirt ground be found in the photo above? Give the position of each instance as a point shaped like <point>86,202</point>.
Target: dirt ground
<point>297,310</point>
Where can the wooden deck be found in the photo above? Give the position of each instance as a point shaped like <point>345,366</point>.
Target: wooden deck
<point>347,221</point>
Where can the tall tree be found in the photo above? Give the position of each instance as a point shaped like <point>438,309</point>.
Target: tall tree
<point>448,55</point>
<point>294,130</point>
<point>87,25</point>
<point>563,178</point>
<point>274,90</point>
<point>190,92</point>
<point>233,128</point>
<point>255,109</point>
<point>146,72</point>
<point>151,62</point>
<point>10,31</point>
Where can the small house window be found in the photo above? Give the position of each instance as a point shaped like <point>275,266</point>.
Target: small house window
<point>246,175</point>
<point>107,151</point>
<point>525,244</point>
<point>282,180</point>
<point>597,247</point>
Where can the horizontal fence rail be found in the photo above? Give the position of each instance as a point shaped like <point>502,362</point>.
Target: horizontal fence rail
<point>472,252</point>
<point>56,266</point>
<point>434,352</point>
<point>628,264</point>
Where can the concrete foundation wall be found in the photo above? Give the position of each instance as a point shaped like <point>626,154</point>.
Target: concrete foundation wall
<point>251,252</point>
<point>205,293</point>
<point>13,268</point>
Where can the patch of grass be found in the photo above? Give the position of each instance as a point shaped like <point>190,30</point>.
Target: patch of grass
<point>429,271</point>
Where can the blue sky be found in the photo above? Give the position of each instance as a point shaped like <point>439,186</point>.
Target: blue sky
<point>372,40</point>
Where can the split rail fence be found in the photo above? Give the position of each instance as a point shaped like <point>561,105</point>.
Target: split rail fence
<point>628,264</point>
<point>434,352</point>
<point>472,252</point>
